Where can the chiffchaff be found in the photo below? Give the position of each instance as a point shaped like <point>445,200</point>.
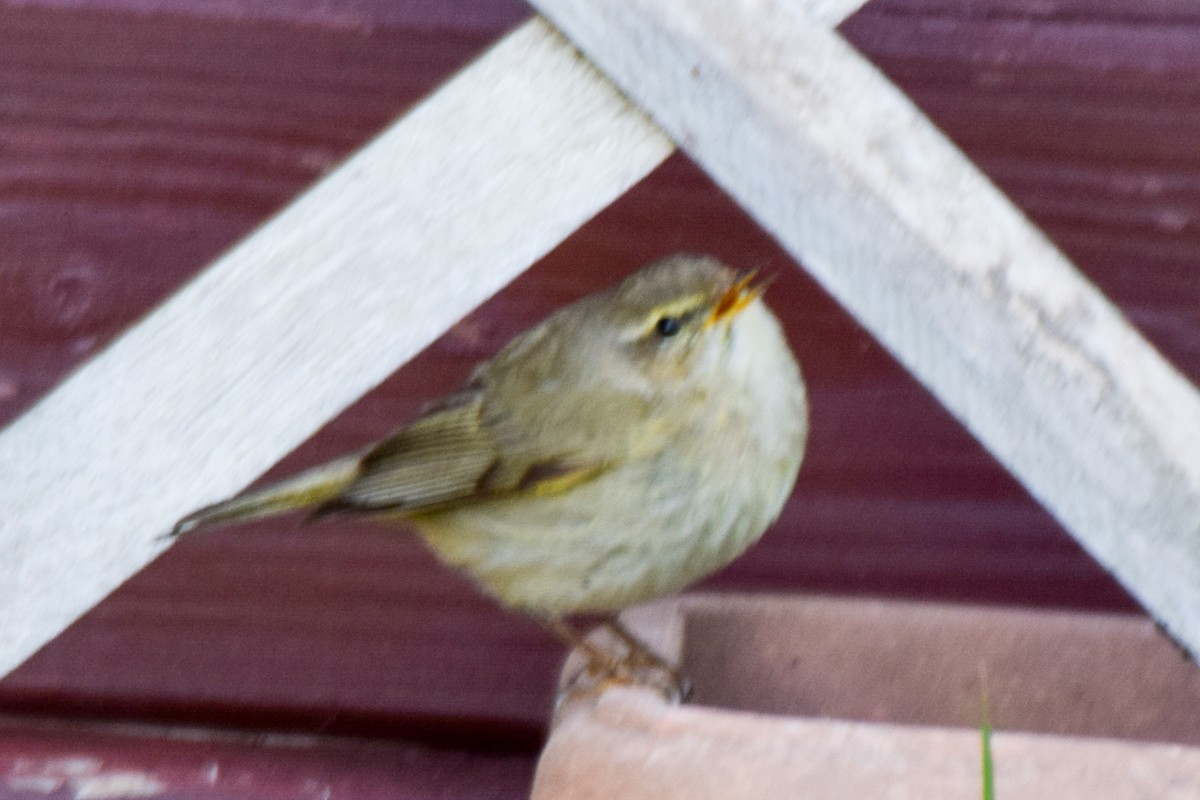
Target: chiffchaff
<point>630,444</point>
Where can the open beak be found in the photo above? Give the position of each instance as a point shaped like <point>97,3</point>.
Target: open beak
<point>737,298</point>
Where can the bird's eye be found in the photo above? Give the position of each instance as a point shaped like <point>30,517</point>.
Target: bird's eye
<point>668,326</point>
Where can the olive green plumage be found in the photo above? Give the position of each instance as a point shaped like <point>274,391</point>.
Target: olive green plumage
<point>631,443</point>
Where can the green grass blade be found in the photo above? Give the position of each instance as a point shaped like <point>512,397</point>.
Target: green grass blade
<point>985,731</point>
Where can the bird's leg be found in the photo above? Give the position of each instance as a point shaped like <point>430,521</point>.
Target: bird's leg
<point>599,662</point>
<point>640,664</point>
<point>641,655</point>
<point>601,669</point>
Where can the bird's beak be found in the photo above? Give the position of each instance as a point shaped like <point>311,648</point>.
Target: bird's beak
<point>737,298</point>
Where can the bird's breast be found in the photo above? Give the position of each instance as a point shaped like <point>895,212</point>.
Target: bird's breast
<point>652,524</point>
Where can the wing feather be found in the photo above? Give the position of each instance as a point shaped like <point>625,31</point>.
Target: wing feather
<point>450,457</point>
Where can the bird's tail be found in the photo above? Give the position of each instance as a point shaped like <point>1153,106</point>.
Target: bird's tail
<point>308,489</point>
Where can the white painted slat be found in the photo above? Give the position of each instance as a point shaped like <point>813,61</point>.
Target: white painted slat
<point>302,318</point>
<point>908,235</point>
<point>830,12</point>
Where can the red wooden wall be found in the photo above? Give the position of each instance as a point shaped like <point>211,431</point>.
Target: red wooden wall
<point>139,139</point>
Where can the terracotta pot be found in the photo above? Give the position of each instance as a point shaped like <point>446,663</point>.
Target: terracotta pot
<point>823,698</point>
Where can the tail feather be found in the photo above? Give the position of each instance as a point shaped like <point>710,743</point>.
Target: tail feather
<point>311,488</point>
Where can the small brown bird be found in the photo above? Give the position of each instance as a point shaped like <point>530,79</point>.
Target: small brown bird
<point>627,446</point>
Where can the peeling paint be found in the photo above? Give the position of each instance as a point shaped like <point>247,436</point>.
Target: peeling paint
<point>67,766</point>
<point>42,784</point>
<point>85,776</point>
<point>117,785</point>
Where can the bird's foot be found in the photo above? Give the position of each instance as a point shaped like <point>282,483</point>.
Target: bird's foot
<point>625,661</point>
<point>642,659</point>
<point>594,678</point>
<point>669,681</point>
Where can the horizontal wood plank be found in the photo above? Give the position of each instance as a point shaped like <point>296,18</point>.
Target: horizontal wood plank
<point>355,628</point>
<point>424,15</point>
<point>298,321</point>
<point>40,760</point>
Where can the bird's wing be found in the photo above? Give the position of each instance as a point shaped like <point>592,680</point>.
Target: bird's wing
<point>450,456</point>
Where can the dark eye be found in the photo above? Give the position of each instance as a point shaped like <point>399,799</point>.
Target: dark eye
<point>668,326</point>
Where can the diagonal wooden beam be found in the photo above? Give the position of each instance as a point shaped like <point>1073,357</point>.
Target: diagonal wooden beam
<point>306,315</point>
<point>896,223</point>
<point>302,318</point>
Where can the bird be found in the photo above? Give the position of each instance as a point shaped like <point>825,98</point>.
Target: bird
<point>628,445</point>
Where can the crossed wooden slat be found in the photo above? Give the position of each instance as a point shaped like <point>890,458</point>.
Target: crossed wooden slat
<point>506,160</point>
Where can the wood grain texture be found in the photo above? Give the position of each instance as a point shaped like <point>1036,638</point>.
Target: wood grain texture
<point>138,149</point>
<point>299,320</point>
<point>356,629</point>
<point>977,303</point>
<point>1084,120</point>
<point>423,15</point>
<point>90,761</point>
